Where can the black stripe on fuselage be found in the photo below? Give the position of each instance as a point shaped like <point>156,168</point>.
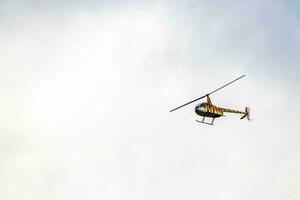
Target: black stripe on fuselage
<point>207,114</point>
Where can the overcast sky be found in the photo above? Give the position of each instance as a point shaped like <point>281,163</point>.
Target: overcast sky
<point>86,90</point>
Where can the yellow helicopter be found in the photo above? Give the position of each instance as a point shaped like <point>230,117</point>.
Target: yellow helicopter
<point>207,109</point>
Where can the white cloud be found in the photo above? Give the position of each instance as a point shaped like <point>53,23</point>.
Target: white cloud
<point>85,102</point>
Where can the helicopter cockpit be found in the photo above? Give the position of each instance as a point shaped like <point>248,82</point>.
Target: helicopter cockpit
<point>201,106</point>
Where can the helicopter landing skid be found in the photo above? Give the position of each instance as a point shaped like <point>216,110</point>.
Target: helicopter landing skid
<point>203,122</point>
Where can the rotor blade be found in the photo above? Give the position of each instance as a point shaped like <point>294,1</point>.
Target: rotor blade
<point>207,94</point>
<point>227,84</point>
<point>188,103</point>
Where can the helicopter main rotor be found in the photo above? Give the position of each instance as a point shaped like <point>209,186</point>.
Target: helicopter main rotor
<point>207,94</point>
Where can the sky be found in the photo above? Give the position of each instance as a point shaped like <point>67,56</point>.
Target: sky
<point>86,89</point>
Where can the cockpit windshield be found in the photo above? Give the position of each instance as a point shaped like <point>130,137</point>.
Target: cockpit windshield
<point>202,104</point>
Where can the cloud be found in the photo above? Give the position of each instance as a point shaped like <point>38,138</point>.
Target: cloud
<point>86,93</point>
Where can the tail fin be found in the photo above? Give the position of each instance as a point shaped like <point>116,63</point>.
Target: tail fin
<point>247,113</point>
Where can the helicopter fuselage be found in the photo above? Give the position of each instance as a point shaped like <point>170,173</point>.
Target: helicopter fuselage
<point>208,110</point>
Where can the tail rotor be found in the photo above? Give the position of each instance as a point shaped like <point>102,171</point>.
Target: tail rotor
<point>247,113</point>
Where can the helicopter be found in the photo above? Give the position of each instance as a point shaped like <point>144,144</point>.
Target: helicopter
<point>207,109</point>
